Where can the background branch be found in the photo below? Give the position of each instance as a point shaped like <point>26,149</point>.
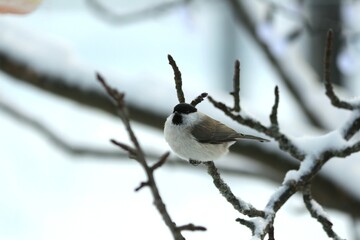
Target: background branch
<point>243,18</point>
<point>153,10</point>
<point>327,78</point>
<point>236,85</point>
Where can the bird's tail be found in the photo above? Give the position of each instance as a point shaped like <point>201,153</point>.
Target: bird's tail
<point>251,137</point>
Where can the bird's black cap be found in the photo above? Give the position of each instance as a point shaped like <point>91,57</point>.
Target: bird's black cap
<point>184,108</point>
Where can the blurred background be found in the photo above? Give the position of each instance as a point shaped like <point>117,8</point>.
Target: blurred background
<point>60,178</point>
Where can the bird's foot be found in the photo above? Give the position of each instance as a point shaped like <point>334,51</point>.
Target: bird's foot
<point>194,162</point>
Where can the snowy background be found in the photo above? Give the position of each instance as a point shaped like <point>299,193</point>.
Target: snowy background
<point>47,193</point>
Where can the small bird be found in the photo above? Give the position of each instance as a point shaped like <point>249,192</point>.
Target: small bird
<point>196,137</point>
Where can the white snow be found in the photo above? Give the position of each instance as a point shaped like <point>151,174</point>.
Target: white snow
<point>319,209</point>
<point>314,145</point>
<point>305,167</point>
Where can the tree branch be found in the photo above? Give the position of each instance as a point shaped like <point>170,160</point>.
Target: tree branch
<point>236,85</point>
<point>178,79</point>
<point>118,97</point>
<point>317,212</point>
<point>161,161</point>
<point>240,205</point>
<point>327,79</point>
<point>198,99</point>
<point>273,115</point>
<point>243,18</point>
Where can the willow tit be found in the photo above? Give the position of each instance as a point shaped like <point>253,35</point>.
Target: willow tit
<point>196,137</point>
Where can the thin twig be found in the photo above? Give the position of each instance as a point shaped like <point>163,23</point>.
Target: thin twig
<point>327,73</point>
<point>161,161</point>
<point>236,85</point>
<point>247,223</point>
<point>178,79</point>
<point>274,111</point>
<point>142,184</point>
<point>191,227</point>
<point>132,152</point>
<point>199,99</point>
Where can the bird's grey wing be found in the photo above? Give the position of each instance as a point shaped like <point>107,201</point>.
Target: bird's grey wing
<point>214,132</point>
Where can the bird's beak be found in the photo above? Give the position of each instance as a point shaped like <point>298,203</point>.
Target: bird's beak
<point>175,112</point>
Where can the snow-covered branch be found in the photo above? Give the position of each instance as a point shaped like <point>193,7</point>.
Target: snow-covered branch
<point>317,212</point>
<point>333,144</point>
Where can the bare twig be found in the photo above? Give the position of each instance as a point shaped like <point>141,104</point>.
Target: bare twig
<point>178,79</point>
<point>327,68</point>
<point>142,184</point>
<point>199,99</point>
<point>132,152</point>
<point>273,115</point>
<point>161,161</point>
<point>236,85</point>
<point>191,227</point>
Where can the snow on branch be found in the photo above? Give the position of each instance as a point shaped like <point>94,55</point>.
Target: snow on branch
<point>136,152</point>
<point>317,212</point>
